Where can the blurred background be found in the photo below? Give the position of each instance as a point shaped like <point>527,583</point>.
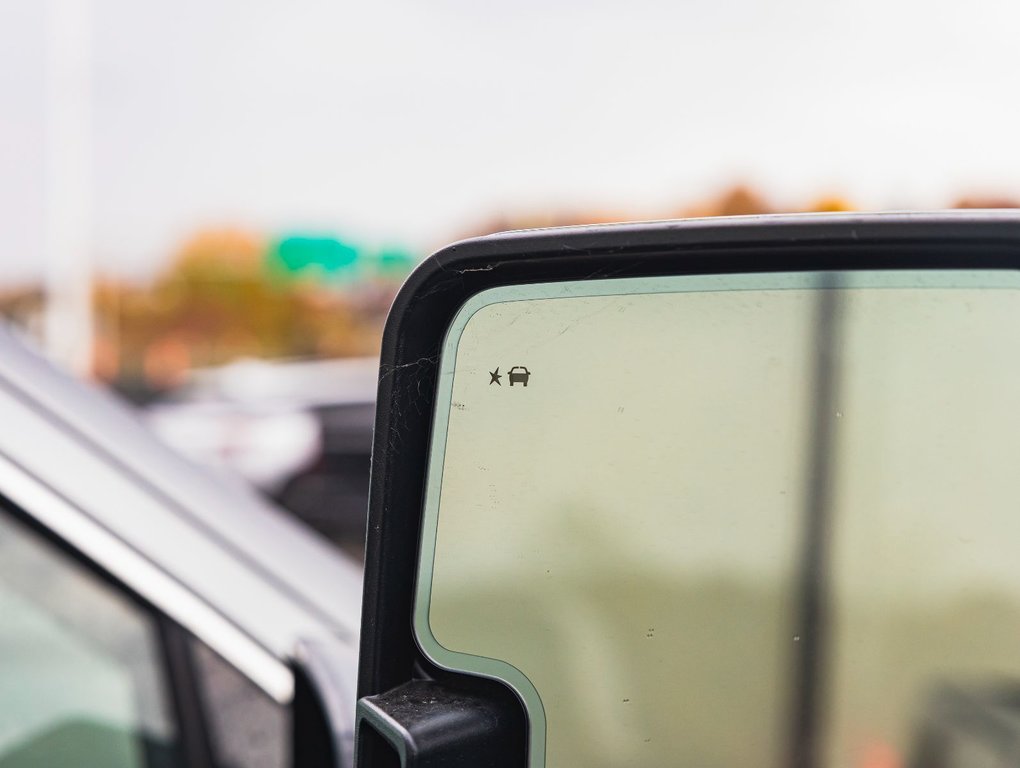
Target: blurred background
<point>208,206</point>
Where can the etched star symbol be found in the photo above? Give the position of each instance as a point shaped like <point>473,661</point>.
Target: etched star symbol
<point>495,376</point>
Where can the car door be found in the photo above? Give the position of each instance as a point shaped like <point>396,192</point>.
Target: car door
<point>215,589</point>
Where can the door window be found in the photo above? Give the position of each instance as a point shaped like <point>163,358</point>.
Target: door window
<point>82,680</point>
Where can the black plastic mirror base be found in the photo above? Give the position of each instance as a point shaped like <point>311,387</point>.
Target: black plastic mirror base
<point>425,724</point>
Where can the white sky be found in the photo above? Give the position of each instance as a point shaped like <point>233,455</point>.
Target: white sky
<point>410,122</point>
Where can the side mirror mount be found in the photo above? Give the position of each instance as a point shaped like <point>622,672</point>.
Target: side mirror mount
<point>428,724</point>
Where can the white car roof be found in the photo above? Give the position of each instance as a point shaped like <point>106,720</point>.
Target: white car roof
<point>306,383</point>
<point>237,572</point>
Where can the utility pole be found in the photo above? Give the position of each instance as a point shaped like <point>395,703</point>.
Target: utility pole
<point>68,324</point>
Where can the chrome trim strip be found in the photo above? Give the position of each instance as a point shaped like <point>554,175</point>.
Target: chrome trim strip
<point>155,585</point>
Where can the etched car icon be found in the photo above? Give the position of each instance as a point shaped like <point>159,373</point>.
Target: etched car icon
<point>519,375</point>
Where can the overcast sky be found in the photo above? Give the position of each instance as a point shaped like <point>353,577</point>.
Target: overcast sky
<point>410,122</point>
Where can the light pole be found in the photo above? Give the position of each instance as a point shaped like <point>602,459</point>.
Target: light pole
<point>67,313</point>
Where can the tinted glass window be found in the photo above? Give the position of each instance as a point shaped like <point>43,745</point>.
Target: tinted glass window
<point>81,676</point>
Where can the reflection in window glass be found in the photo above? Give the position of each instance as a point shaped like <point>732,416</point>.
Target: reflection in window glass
<point>925,522</point>
<point>81,680</point>
<point>623,530</point>
<point>630,529</point>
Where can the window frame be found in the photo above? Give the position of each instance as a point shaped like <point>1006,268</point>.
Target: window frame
<point>176,663</point>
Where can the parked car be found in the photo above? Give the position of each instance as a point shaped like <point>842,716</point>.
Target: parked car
<point>150,608</point>
<point>300,432</point>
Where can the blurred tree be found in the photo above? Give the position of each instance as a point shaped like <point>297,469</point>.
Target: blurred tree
<point>831,204</point>
<point>990,201</point>
<point>216,302</point>
<point>22,306</point>
<point>739,200</point>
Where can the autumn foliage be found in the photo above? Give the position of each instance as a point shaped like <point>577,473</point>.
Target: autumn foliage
<point>218,302</point>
